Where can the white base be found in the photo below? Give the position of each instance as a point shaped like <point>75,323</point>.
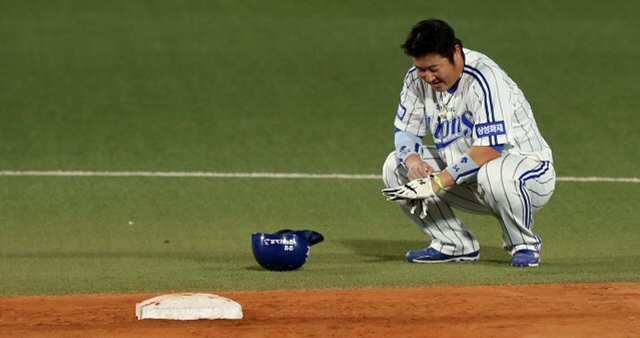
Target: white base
<point>188,306</point>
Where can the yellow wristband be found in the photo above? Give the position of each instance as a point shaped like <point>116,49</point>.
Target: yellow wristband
<point>438,181</point>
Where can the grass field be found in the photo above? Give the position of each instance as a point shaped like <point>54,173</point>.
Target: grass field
<point>287,87</point>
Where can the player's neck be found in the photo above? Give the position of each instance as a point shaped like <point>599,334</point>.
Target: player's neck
<point>455,86</point>
<point>459,70</point>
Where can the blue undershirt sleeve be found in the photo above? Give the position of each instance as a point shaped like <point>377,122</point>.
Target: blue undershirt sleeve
<point>407,144</point>
<point>499,147</point>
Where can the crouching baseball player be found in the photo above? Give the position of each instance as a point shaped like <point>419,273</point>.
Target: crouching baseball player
<point>489,156</point>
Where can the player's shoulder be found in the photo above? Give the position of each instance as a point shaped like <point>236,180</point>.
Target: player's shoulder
<point>481,68</point>
<point>478,62</point>
<point>412,80</point>
<point>411,74</point>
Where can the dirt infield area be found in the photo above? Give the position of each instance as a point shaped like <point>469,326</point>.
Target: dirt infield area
<point>583,310</point>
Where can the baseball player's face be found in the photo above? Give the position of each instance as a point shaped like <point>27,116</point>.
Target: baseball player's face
<point>438,71</point>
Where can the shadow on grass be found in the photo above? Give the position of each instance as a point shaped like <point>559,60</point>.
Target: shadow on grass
<point>394,250</point>
<point>382,250</point>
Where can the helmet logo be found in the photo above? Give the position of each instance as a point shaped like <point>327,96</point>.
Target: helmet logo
<point>284,241</point>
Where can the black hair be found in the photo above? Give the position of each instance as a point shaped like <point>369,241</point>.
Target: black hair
<point>431,36</point>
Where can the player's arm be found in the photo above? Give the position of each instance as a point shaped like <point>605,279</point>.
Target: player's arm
<point>410,127</point>
<point>476,157</point>
<point>409,148</point>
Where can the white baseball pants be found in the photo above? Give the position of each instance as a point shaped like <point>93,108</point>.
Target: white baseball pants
<point>511,188</point>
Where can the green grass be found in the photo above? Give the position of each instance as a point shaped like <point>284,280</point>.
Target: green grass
<point>73,235</point>
<point>164,85</point>
<point>288,86</point>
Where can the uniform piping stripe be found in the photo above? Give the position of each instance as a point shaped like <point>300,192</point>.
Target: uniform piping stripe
<point>531,174</point>
<point>535,173</point>
<point>484,90</point>
<point>488,98</point>
<point>486,83</point>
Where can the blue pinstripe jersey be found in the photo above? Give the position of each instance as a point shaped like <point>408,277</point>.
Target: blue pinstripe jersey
<point>486,109</point>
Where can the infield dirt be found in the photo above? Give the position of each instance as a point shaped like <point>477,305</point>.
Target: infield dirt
<point>568,310</point>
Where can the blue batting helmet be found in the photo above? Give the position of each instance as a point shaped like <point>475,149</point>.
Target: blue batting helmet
<point>285,249</point>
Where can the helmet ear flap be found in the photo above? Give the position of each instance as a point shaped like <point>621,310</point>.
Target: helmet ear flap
<point>281,251</point>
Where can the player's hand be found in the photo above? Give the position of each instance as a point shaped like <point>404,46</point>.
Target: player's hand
<point>419,169</point>
<point>416,189</point>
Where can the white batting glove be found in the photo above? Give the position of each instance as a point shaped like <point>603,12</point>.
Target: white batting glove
<point>414,205</point>
<point>416,189</point>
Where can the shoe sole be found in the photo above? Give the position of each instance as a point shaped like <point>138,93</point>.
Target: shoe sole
<point>453,259</point>
<point>526,265</point>
<point>531,265</point>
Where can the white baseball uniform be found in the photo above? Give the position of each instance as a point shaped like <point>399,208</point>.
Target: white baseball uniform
<point>485,108</point>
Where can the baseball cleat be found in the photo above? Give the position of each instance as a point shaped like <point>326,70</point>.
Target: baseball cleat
<point>431,255</point>
<point>525,258</point>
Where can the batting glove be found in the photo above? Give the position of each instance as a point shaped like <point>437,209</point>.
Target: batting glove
<point>414,205</point>
<point>416,189</point>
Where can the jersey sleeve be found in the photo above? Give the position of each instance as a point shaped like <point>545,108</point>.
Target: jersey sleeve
<point>491,106</point>
<point>410,117</point>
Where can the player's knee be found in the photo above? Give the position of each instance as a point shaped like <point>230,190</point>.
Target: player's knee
<point>482,178</point>
<point>389,170</point>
